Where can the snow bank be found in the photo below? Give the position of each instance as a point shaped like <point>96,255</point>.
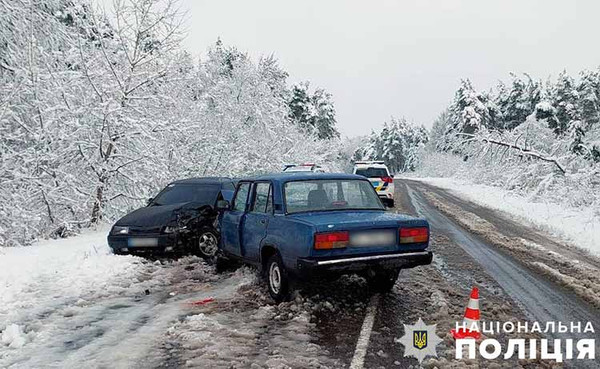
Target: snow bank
<point>35,280</point>
<point>579,226</point>
<point>13,336</point>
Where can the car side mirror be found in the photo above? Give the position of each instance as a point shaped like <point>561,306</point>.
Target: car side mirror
<point>149,201</point>
<point>222,205</point>
<point>391,175</point>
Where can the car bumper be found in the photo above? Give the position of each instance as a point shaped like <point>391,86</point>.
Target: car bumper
<point>154,243</point>
<point>402,260</point>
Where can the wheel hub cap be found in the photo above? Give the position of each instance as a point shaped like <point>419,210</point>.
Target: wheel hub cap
<point>207,244</point>
<point>275,277</point>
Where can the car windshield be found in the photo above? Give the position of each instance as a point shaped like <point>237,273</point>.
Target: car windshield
<point>326,194</point>
<point>178,193</point>
<point>372,172</point>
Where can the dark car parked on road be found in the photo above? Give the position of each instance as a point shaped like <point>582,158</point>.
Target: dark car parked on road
<point>300,225</point>
<point>182,217</point>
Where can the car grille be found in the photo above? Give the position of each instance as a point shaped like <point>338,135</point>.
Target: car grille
<point>143,230</point>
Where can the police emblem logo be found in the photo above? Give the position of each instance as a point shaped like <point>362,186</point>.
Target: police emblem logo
<point>420,340</point>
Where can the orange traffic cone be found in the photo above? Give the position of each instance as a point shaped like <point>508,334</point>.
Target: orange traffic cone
<point>471,319</point>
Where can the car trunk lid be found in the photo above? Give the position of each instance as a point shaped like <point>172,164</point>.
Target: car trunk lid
<point>370,232</point>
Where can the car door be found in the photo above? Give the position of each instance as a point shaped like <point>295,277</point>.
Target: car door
<point>233,220</point>
<point>257,219</point>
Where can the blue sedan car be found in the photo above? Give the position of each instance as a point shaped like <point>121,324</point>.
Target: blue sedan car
<point>300,225</point>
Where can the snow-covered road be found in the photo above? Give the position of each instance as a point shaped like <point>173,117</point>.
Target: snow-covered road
<point>70,303</point>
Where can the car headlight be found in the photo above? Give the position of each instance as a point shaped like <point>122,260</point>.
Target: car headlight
<point>173,229</point>
<point>120,230</point>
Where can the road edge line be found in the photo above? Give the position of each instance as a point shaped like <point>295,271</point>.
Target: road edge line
<point>362,343</point>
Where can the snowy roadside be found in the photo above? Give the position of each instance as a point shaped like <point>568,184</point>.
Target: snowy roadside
<point>578,226</point>
<point>36,279</point>
<point>68,301</point>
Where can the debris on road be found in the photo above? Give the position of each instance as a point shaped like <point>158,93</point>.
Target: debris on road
<point>201,302</point>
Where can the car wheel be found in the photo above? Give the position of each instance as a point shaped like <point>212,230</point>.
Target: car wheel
<point>391,203</point>
<point>207,243</point>
<point>383,280</point>
<point>277,279</point>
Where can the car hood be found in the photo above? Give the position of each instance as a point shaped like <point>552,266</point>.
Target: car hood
<point>156,216</point>
<point>361,219</point>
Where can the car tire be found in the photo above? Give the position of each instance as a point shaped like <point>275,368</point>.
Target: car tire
<point>206,244</point>
<point>382,280</point>
<point>278,281</point>
<point>391,203</point>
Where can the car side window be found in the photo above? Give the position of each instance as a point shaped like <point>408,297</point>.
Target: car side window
<point>241,196</point>
<point>262,198</point>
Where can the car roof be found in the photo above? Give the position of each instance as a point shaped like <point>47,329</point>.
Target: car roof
<point>203,180</point>
<point>372,165</point>
<point>299,176</point>
<point>299,168</point>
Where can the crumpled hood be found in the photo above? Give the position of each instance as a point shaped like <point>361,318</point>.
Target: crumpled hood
<point>156,216</point>
<point>349,220</point>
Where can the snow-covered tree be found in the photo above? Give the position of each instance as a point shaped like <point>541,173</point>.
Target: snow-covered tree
<point>469,112</point>
<point>516,102</point>
<point>397,144</point>
<point>313,113</point>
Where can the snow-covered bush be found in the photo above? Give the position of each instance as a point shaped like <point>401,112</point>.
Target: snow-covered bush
<point>529,160</point>
<point>540,140</point>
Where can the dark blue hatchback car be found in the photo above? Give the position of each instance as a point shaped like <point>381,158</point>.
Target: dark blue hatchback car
<point>299,225</point>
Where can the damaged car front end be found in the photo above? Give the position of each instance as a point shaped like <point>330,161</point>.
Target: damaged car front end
<point>182,218</point>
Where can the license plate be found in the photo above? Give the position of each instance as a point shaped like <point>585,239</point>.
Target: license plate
<point>373,238</point>
<point>142,242</point>
<point>375,184</point>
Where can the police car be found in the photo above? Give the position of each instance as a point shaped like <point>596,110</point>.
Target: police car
<point>380,177</point>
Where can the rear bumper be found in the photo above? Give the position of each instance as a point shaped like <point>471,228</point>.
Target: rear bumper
<point>402,260</point>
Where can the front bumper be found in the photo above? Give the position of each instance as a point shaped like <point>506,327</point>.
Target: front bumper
<point>121,244</point>
<point>402,260</point>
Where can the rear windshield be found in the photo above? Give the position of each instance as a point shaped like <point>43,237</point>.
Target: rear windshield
<point>372,172</point>
<point>326,195</point>
<point>178,193</point>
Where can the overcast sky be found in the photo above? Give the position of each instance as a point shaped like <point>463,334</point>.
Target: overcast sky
<point>402,58</point>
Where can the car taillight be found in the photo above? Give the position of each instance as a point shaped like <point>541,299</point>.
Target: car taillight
<point>387,179</point>
<point>413,235</point>
<point>331,240</point>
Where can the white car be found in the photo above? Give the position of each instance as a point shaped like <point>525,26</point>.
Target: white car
<point>380,177</point>
<point>306,167</point>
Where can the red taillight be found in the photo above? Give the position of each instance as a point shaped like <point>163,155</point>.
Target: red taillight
<point>331,240</point>
<point>414,235</point>
<point>387,179</point>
